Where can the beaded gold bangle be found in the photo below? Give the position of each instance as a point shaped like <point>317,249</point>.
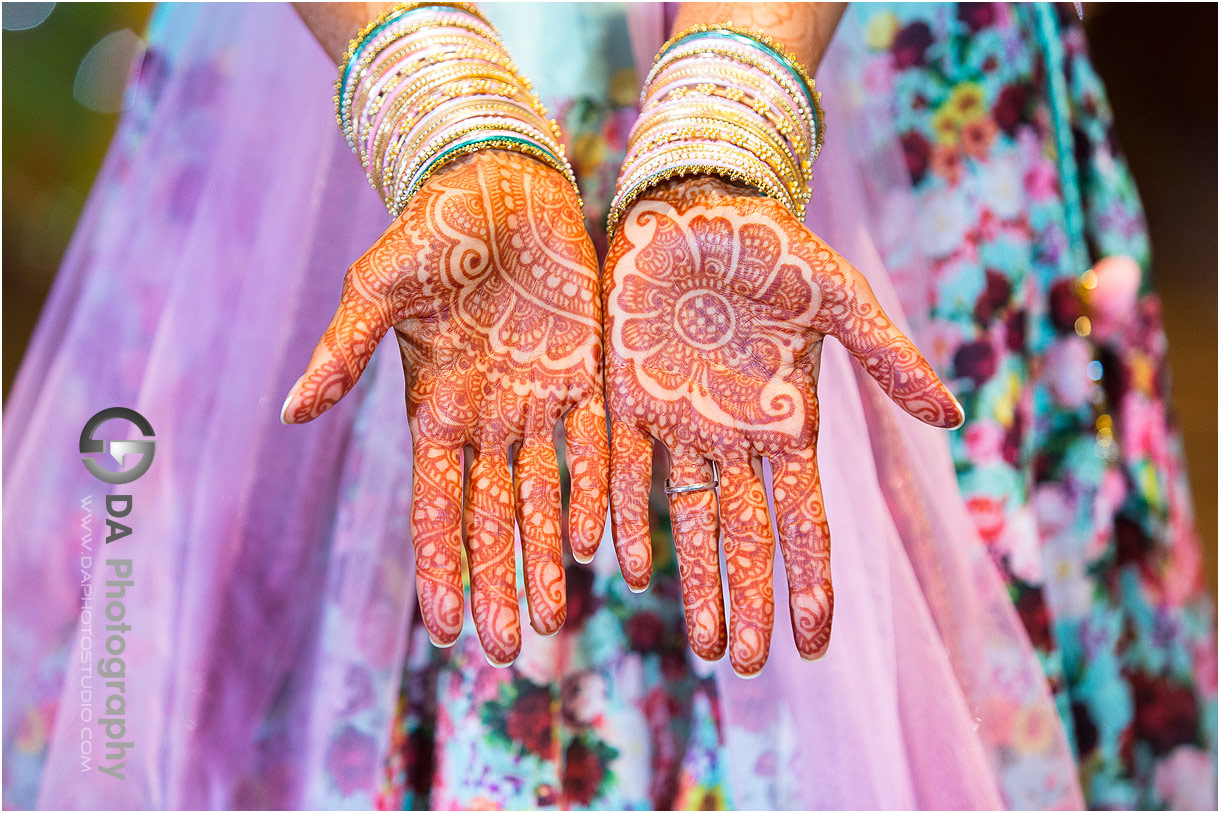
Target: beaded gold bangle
<point>413,62</point>
<point>757,100</point>
<point>438,143</point>
<point>492,143</point>
<point>465,109</point>
<point>731,51</point>
<point>425,83</point>
<point>738,159</point>
<point>510,140</point>
<point>688,110</point>
<point>723,101</point>
<point>389,143</point>
<point>714,130</point>
<point>405,109</point>
<point>464,70</point>
<point>735,130</point>
<point>779,49</point>
<point>409,98</point>
<point>351,76</point>
<point>440,72</point>
<point>691,163</point>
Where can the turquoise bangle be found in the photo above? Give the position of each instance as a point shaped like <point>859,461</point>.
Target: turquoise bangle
<point>356,53</point>
<point>467,141</point>
<point>390,20</point>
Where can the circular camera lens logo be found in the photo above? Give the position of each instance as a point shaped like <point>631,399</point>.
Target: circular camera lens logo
<point>120,451</point>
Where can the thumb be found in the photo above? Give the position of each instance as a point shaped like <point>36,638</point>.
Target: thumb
<point>354,332</point>
<point>851,313</point>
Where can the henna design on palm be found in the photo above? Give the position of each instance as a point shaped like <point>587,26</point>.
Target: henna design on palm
<point>490,282</point>
<point>716,302</point>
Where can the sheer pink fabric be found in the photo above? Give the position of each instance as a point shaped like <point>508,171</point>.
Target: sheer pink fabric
<point>267,559</point>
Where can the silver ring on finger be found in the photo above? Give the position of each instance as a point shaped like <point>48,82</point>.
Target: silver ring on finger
<point>687,489</point>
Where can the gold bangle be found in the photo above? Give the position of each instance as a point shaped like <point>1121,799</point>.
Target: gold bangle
<point>694,109</point>
<point>393,146</point>
<point>370,107</point>
<point>444,75</point>
<point>491,144</point>
<point>348,84</point>
<point>409,64</point>
<point>744,163</point>
<point>428,151</point>
<point>717,169</point>
<point>741,161</point>
<point>779,48</point>
<point>792,167</point>
<point>352,79</point>
<point>763,102</point>
<point>814,115</point>
<point>416,114</point>
<point>403,195</point>
<point>705,130</point>
<point>421,98</point>
<point>354,43</point>
<point>741,55</point>
<point>469,108</point>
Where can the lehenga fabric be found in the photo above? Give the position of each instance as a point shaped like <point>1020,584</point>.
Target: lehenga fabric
<point>276,658</point>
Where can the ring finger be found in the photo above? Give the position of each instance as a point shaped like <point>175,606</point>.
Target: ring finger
<point>696,529</point>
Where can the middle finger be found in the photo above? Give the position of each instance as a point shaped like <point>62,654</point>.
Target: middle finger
<point>538,517</point>
<point>749,553</point>
<point>489,546</point>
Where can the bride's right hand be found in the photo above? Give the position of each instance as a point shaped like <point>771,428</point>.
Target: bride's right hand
<point>491,284</point>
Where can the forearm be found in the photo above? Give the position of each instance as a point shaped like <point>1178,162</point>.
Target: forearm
<point>805,28</point>
<point>335,24</point>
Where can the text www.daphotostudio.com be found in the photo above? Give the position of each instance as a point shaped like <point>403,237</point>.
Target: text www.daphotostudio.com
<point>119,588</point>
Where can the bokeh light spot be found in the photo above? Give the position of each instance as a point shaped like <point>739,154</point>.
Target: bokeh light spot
<point>20,16</point>
<point>101,79</point>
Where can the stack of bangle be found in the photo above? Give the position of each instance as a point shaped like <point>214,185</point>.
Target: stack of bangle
<point>723,101</point>
<point>426,83</point>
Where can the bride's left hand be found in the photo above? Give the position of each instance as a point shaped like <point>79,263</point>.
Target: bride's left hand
<point>716,303</point>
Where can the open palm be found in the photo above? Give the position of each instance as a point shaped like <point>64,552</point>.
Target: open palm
<point>717,301</point>
<point>490,282</point>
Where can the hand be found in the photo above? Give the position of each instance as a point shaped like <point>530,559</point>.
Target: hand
<point>490,281</point>
<point>717,301</point>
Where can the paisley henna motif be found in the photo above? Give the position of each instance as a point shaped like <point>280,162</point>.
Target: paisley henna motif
<point>717,301</point>
<point>490,283</point>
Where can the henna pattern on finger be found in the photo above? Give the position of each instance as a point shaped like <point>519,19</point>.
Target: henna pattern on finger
<point>436,534</point>
<point>490,283</point>
<point>804,538</point>
<point>588,455</point>
<point>493,571</point>
<point>749,555</point>
<point>537,482</point>
<point>630,479</point>
<point>717,301</point>
<point>693,516</point>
